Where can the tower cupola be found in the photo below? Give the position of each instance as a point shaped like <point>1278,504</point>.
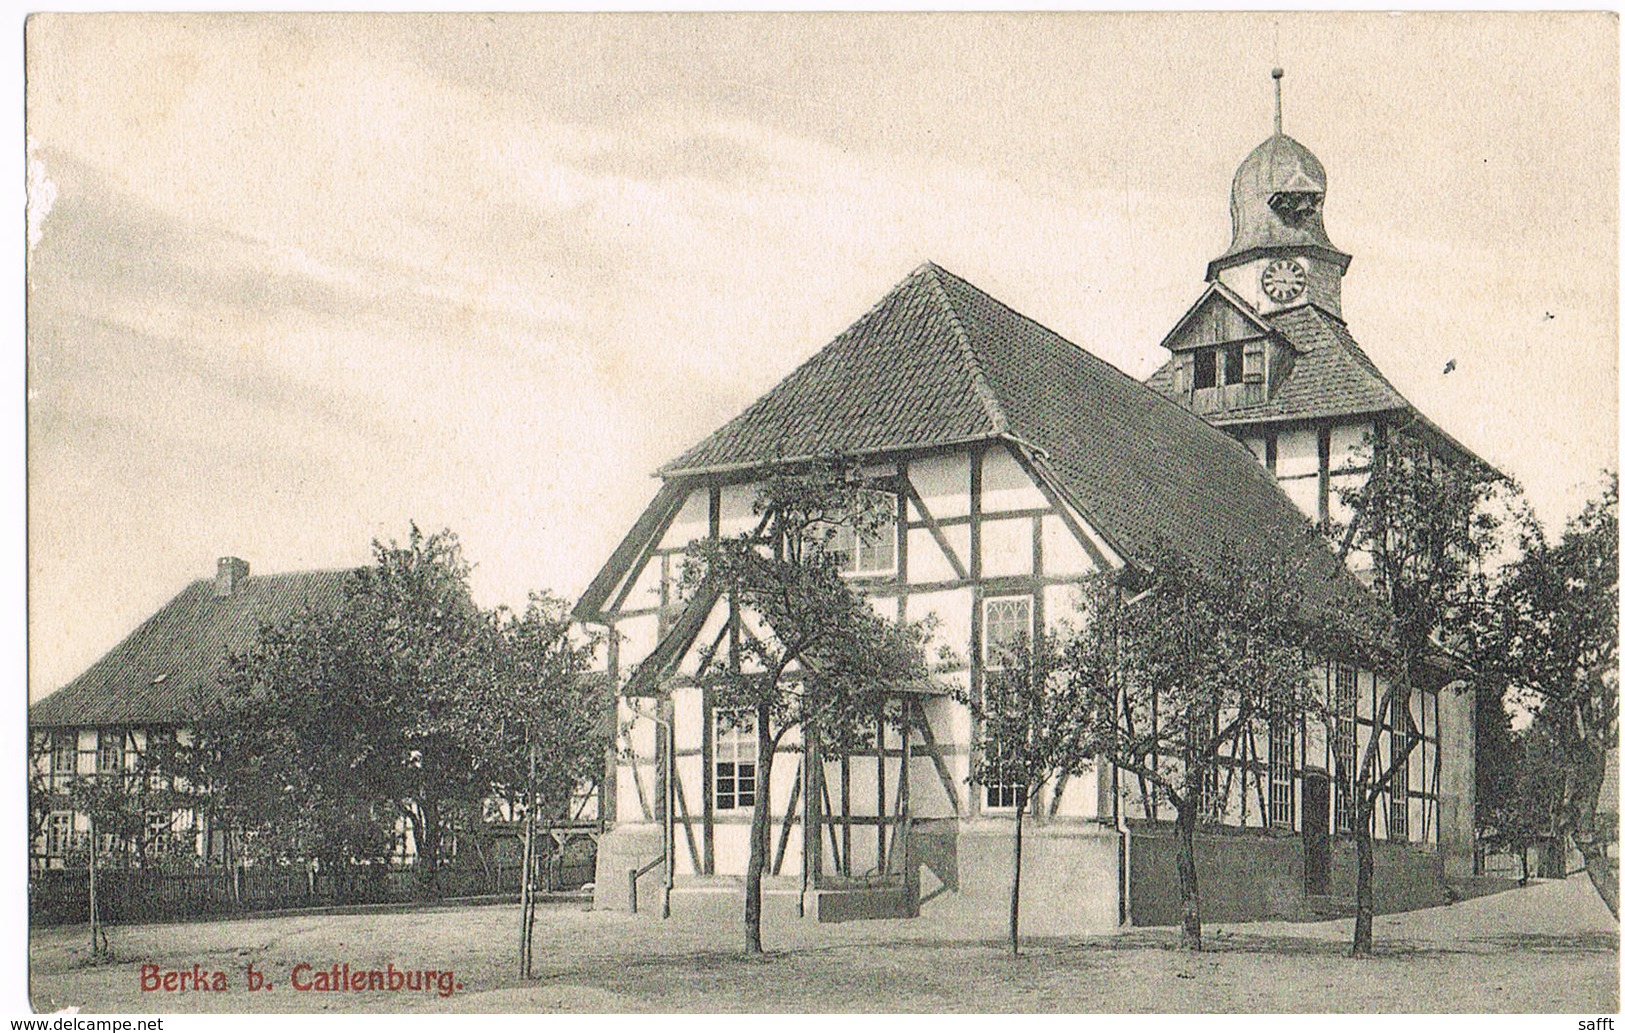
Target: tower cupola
<point>1279,253</point>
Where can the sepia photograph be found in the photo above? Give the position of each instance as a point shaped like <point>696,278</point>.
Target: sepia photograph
<point>812,512</point>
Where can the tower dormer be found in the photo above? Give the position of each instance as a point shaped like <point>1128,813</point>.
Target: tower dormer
<point>1279,253</point>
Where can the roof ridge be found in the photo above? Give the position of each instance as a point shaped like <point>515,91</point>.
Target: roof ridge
<point>301,573</point>
<point>1354,349</point>
<point>1090,356</point>
<point>926,270</point>
<point>984,390</point>
<point>1225,293</point>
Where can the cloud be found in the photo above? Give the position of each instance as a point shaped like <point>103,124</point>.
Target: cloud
<point>306,278</point>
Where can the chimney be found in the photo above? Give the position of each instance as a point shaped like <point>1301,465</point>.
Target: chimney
<point>230,573</point>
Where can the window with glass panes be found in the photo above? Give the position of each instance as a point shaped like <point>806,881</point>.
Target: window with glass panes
<point>160,832</point>
<point>1399,790</point>
<point>160,747</point>
<point>58,834</point>
<point>1281,743</point>
<point>876,551</point>
<point>1005,623</point>
<point>734,759</point>
<point>109,751</point>
<point>1209,804</point>
<point>1001,796</point>
<point>64,756</point>
<point>1345,687</point>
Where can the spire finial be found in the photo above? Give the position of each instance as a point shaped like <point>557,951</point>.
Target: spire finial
<point>1276,73</point>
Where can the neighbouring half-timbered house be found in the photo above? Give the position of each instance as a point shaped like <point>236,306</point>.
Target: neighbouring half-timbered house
<point>156,683</point>
<point>1014,463</point>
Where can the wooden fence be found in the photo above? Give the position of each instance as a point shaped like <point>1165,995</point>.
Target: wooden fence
<point>59,896</point>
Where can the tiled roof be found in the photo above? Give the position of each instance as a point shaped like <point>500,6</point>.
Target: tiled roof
<point>1331,376</point>
<point>902,376</point>
<point>167,670</point>
<point>938,361</point>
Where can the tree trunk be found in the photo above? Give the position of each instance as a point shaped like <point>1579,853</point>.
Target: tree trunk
<point>95,920</point>
<point>758,834</point>
<point>1015,883</point>
<point>527,893</point>
<point>1190,897</point>
<point>1364,893</point>
<point>429,843</point>
<point>1600,868</point>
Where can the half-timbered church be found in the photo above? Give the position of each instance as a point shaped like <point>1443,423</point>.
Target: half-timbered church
<point>1014,463</point>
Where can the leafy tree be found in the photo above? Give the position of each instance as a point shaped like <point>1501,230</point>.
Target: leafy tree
<point>41,800</point>
<point>1034,723</point>
<point>535,697</point>
<point>1498,758</point>
<point>546,721</point>
<point>408,702</point>
<point>112,803</point>
<point>806,651</point>
<point>1177,664</point>
<point>1554,640</point>
<point>1427,524</point>
<point>291,757</point>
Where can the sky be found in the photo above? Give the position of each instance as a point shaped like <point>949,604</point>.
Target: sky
<point>296,281</point>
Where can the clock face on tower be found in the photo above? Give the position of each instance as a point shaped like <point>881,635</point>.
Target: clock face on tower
<point>1283,280</point>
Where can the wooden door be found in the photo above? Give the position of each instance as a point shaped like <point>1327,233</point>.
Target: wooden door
<point>1316,834</point>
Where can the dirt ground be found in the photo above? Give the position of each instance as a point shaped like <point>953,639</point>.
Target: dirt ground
<point>1551,947</point>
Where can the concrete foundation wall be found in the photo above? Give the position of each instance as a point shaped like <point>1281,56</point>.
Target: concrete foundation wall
<point>1457,778</point>
<point>1252,877</point>
<point>862,904</point>
<point>1404,877</point>
<point>1069,882</point>
<point>1239,877</point>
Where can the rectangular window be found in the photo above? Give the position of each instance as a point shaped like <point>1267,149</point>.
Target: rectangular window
<point>109,751</point>
<point>1209,804</point>
<point>1232,364</point>
<point>1281,744</point>
<point>1399,790</point>
<point>58,834</point>
<point>1207,368</point>
<point>159,755</point>
<point>1006,624</point>
<point>1344,691</point>
<point>160,832</point>
<point>64,756</point>
<point>1004,797</point>
<point>734,750</point>
<point>872,553</point>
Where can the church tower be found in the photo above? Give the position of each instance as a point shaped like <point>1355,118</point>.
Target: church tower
<point>1264,353</point>
<point>1279,253</point>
